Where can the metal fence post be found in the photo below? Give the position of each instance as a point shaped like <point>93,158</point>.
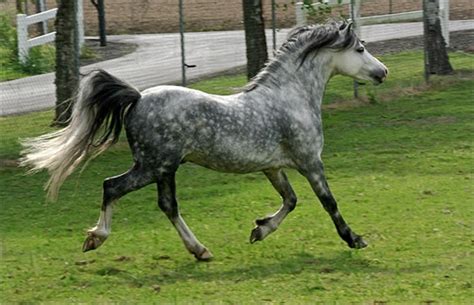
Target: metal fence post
<point>181,35</point>
<point>42,8</point>
<point>274,25</point>
<point>355,16</point>
<point>22,36</point>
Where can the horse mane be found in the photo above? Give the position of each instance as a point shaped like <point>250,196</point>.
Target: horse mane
<point>303,41</point>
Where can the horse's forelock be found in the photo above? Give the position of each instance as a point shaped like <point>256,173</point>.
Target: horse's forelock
<point>328,36</point>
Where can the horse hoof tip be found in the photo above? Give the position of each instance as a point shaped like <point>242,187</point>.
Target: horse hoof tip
<point>359,243</point>
<point>205,256</point>
<point>92,242</point>
<point>256,235</point>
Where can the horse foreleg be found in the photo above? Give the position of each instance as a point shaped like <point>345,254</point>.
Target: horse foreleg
<point>269,224</point>
<point>169,205</point>
<point>320,186</point>
<point>114,188</point>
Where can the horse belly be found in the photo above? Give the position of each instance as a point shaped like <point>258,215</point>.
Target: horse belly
<point>241,159</point>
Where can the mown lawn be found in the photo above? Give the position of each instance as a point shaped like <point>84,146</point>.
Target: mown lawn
<point>401,169</point>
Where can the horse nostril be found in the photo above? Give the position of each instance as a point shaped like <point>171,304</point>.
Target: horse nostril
<point>386,71</point>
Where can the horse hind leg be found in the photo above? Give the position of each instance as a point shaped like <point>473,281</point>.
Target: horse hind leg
<point>269,224</point>
<point>169,205</point>
<point>114,188</point>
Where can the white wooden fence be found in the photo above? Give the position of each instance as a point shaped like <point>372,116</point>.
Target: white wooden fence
<point>389,18</point>
<point>23,21</point>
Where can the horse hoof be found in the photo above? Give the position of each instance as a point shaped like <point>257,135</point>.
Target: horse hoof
<point>92,242</point>
<point>358,243</point>
<point>205,256</point>
<point>256,234</point>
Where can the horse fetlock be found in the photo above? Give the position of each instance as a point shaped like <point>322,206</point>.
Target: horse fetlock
<point>263,221</point>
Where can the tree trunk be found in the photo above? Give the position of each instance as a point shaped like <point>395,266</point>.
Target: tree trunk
<point>19,6</point>
<point>100,7</point>
<point>67,60</point>
<point>42,27</point>
<point>436,55</point>
<point>254,36</point>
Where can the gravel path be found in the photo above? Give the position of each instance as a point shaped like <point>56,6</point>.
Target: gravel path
<point>157,61</point>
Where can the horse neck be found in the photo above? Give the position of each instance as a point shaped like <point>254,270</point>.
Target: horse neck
<point>305,84</point>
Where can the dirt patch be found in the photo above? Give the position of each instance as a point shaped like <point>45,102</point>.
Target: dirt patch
<point>437,120</point>
<point>96,53</point>
<point>459,41</point>
<point>8,163</point>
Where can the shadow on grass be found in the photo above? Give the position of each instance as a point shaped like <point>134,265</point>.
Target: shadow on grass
<point>345,262</point>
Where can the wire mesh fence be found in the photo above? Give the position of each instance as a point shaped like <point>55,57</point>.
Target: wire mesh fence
<point>212,38</point>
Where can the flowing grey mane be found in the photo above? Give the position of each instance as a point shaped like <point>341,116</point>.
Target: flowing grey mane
<point>301,42</point>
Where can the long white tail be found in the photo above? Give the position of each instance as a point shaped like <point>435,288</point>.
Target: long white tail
<point>102,103</point>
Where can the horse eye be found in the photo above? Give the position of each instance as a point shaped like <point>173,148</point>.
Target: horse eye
<point>360,49</point>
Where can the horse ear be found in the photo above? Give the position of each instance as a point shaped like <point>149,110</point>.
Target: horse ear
<point>346,27</point>
<point>349,27</point>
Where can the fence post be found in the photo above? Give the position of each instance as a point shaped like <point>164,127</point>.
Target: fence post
<point>444,18</point>
<point>355,16</point>
<point>300,14</point>
<point>42,8</point>
<point>22,36</point>
<point>80,23</point>
<point>183,51</point>
<point>274,26</point>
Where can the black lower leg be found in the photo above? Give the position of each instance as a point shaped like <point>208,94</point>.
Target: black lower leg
<point>321,188</point>
<point>353,240</point>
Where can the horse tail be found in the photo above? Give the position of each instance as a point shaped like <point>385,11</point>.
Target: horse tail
<point>95,124</point>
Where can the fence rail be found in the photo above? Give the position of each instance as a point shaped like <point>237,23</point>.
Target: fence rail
<point>388,18</point>
<point>23,21</point>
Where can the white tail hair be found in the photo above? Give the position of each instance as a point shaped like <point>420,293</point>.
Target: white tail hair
<point>101,104</point>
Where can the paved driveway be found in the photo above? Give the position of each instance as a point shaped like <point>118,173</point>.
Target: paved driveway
<point>157,61</point>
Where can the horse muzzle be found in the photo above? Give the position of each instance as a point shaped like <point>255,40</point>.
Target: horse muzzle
<point>378,76</point>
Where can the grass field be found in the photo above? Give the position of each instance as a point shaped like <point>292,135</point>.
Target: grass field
<point>400,167</point>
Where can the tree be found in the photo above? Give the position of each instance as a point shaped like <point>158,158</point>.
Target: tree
<point>436,55</point>
<point>99,5</point>
<point>254,36</point>
<point>67,60</point>
<point>19,6</point>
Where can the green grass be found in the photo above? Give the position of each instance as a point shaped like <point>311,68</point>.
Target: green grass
<point>401,170</point>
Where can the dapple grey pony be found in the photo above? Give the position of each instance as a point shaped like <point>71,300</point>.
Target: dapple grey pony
<point>274,123</point>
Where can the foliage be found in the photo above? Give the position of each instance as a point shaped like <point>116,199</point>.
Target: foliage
<point>320,12</point>
<point>400,168</point>
<point>41,59</point>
